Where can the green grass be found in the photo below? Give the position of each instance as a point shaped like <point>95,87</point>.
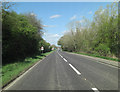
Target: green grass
<point>103,57</point>
<point>10,71</point>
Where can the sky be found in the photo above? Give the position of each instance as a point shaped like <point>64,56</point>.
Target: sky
<point>56,15</point>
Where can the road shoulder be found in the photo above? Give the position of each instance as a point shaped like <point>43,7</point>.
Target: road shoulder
<point>109,62</point>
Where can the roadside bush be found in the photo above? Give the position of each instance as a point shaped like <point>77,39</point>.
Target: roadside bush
<point>102,49</point>
<point>20,38</point>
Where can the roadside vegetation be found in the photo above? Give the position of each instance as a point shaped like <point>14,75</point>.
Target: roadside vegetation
<point>94,55</point>
<point>21,42</point>
<point>99,37</point>
<point>21,35</point>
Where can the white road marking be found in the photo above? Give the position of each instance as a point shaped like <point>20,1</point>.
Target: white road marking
<point>75,69</point>
<point>65,59</point>
<point>71,66</point>
<point>95,89</point>
<point>93,58</point>
<point>60,55</point>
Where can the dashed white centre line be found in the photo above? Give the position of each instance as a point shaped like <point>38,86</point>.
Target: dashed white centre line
<point>75,69</point>
<point>60,55</point>
<point>65,60</point>
<point>95,89</point>
<point>71,66</point>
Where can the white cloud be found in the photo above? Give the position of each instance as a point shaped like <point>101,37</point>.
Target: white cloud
<point>90,12</point>
<point>33,14</point>
<point>73,17</point>
<point>65,31</point>
<point>51,38</point>
<point>48,25</point>
<point>54,16</point>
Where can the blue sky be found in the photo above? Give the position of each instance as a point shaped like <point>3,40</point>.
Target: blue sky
<point>55,16</point>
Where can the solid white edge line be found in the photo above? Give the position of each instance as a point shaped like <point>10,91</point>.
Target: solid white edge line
<point>95,89</point>
<point>75,69</point>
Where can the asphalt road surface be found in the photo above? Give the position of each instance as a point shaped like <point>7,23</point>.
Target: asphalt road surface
<point>64,71</point>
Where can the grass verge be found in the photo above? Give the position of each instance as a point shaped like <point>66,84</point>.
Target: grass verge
<point>93,55</point>
<point>11,71</point>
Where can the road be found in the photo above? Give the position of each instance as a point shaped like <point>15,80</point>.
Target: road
<point>64,71</point>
